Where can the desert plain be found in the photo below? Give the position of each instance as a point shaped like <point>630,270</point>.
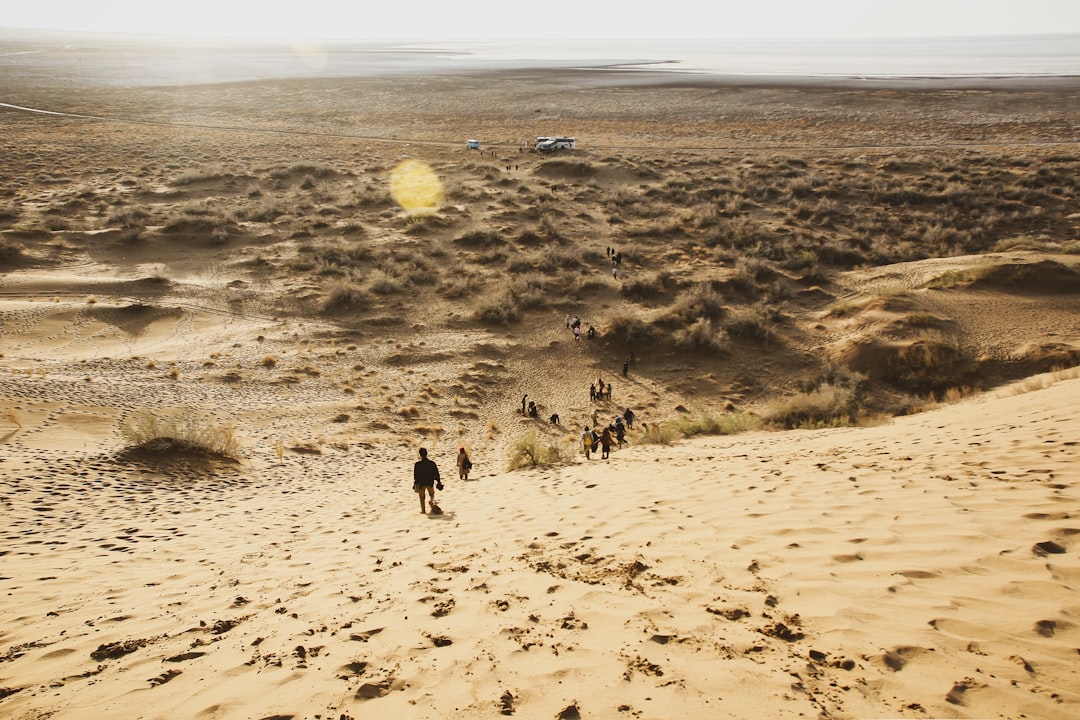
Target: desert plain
<point>846,317</point>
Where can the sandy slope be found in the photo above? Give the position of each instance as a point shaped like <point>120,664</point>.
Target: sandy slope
<point>924,568</point>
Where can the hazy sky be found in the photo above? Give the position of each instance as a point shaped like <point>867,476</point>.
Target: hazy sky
<point>555,19</point>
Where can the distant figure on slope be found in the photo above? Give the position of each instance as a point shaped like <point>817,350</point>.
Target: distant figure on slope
<point>464,464</point>
<point>586,442</point>
<point>425,480</point>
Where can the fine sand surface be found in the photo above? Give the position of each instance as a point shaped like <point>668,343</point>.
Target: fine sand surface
<point>923,568</point>
<point>232,250</point>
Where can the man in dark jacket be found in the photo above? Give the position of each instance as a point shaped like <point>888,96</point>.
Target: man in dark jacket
<point>425,479</point>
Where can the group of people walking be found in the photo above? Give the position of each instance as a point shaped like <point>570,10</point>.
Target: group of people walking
<point>604,438</point>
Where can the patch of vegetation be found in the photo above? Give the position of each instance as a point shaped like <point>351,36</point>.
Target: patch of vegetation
<point>179,432</point>
<point>532,450</point>
<point>826,406</point>
<point>344,296</point>
<point>724,424</point>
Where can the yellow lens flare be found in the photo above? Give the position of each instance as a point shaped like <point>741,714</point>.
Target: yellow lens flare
<point>416,188</point>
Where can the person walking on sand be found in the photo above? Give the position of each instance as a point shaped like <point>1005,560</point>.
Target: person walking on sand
<point>425,480</point>
<point>523,403</point>
<point>605,443</point>
<point>464,464</point>
<point>586,442</point>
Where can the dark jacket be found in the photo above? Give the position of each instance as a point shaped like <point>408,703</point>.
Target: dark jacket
<point>425,472</point>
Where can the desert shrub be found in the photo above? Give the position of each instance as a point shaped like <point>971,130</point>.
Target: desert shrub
<point>554,258</point>
<point>658,434</point>
<point>265,211</point>
<point>386,285</point>
<point>192,177</point>
<point>480,239</point>
<point>180,431</point>
<point>649,286</point>
<point>751,323</point>
<point>127,217</point>
<point>343,296</point>
<point>318,170</point>
<point>343,254</point>
<point>520,264</point>
<point>700,301</point>
<point>956,278</point>
<point>703,334</point>
<point>725,424</point>
<point>930,366</point>
<point>499,308</point>
<point>532,450</point>
<point>826,406</point>
<point>923,319</point>
<point>458,286</point>
<point>9,249</point>
<point>836,255</point>
<point>631,330</point>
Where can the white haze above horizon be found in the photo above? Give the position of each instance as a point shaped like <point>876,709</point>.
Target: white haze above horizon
<point>485,20</point>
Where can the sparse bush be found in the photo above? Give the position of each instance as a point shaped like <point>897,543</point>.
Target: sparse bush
<point>480,239</point>
<point>386,285</point>
<point>631,330</point>
<point>658,434</point>
<point>726,424</point>
<point>499,308</point>
<point>751,324</point>
<point>700,301</point>
<point>532,450</point>
<point>9,249</point>
<point>127,217</point>
<point>649,286</point>
<point>344,296</point>
<point>826,406</point>
<point>181,431</point>
<point>703,334</point>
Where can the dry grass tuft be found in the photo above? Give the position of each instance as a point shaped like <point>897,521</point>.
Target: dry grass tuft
<point>532,450</point>
<point>182,431</point>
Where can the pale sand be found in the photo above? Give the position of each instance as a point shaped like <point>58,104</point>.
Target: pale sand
<point>893,571</point>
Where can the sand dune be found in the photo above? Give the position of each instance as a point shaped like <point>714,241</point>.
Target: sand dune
<point>921,568</point>
<point>907,245</point>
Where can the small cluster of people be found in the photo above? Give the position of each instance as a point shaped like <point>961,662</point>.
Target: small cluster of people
<point>574,323</point>
<point>611,434</point>
<point>599,393</point>
<point>616,261</point>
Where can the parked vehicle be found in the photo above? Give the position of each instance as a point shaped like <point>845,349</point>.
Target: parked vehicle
<point>560,142</point>
<point>472,144</point>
